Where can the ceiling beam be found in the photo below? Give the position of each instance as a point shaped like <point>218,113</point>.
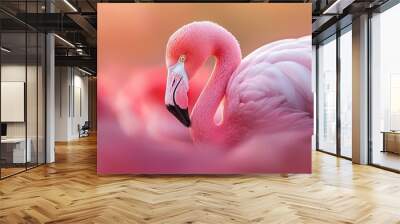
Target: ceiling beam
<point>81,61</point>
<point>84,24</point>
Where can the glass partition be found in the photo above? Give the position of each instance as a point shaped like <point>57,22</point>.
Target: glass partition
<point>385,89</point>
<point>14,153</point>
<point>327,96</point>
<point>32,95</point>
<point>22,78</point>
<point>346,93</point>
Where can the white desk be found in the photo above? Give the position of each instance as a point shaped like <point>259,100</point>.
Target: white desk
<point>19,155</point>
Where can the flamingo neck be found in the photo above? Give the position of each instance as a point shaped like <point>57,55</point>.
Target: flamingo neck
<point>228,56</point>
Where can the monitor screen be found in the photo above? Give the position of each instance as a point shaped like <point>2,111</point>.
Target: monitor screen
<point>3,129</point>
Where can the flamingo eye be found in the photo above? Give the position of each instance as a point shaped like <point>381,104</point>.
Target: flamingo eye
<point>182,58</point>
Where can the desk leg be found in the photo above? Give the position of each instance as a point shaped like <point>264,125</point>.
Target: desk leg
<point>384,142</point>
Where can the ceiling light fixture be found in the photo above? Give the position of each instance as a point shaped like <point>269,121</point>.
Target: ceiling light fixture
<point>5,50</point>
<point>337,7</point>
<point>84,71</point>
<point>70,5</point>
<point>79,51</point>
<point>64,40</point>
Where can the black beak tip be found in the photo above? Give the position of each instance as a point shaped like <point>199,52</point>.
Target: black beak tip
<point>181,114</point>
<point>187,124</point>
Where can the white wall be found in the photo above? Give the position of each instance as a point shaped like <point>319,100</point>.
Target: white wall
<point>13,101</point>
<point>62,81</point>
<point>17,73</point>
<point>81,103</point>
<point>71,102</point>
<point>314,90</point>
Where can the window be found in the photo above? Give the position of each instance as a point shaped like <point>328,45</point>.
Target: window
<point>327,96</point>
<point>346,93</point>
<point>385,89</point>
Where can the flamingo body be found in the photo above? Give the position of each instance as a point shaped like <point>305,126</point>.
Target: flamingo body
<point>267,92</point>
<point>270,91</point>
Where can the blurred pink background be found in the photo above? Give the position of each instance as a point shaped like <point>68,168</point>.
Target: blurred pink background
<point>131,56</point>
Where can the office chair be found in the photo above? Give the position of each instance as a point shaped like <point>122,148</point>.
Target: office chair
<point>84,130</point>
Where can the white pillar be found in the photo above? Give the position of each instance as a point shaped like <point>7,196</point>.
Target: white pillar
<point>50,92</point>
<point>360,90</point>
<point>50,99</point>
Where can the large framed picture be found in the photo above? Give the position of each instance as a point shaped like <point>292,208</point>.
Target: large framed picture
<point>204,88</point>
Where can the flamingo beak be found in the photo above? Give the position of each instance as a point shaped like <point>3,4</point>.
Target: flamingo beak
<point>181,114</point>
<point>176,93</point>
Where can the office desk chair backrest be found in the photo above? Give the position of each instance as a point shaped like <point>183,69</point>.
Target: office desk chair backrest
<point>86,126</point>
<point>3,129</point>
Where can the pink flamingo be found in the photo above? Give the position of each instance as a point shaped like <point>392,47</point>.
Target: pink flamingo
<point>267,92</point>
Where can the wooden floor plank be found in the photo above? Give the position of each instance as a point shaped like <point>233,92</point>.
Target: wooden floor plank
<point>70,191</point>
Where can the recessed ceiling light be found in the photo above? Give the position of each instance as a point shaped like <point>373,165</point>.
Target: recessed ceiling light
<point>70,5</point>
<point>337,7</point>
<point>64,40</point>
<point>84,71</point>
<point>5,50</point>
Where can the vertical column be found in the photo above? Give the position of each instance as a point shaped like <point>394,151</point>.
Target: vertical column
<point>314,90</point>
<point>62,103</point>
<point>360,90</point>
<point>338,91</point>
<point>50,92</point>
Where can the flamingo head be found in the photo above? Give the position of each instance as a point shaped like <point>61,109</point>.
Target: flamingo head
<point>186,53</point>
<point>176,91</point>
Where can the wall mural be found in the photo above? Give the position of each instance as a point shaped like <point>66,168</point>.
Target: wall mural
<point>204,88</point>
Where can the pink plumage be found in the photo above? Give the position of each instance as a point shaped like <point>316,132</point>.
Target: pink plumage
<point>268,92</point>
<point>138,104</point>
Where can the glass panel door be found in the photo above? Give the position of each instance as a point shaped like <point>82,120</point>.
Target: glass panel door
<point>31,100</point>
<point>327,96</point>
<point>22,88</point>
<point>385,89</point>
<point>346,94</point>
<point>14,153</point>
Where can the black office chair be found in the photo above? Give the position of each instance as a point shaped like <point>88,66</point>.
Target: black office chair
<point>84,130</point>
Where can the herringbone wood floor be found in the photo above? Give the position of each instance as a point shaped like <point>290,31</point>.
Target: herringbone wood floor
<point>70,191</point>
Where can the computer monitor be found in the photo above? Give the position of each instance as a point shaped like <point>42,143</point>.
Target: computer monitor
<point>3,129</point>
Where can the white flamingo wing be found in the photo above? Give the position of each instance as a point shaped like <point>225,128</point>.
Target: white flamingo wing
<point>272,87</point>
